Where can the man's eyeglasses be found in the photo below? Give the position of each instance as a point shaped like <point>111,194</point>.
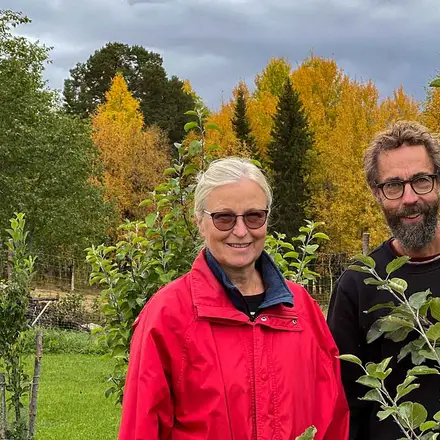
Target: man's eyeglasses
<point>421,184</point>
<point>225,221</point>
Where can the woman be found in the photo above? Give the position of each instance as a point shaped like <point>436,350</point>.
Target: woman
<point>231,350</point>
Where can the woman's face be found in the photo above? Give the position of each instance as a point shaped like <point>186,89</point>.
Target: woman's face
<point>241,246</point>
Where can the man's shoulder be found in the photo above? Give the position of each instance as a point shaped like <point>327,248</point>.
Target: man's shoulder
<point>382,255</point>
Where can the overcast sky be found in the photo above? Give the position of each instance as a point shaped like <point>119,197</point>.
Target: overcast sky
<point>216,43</point>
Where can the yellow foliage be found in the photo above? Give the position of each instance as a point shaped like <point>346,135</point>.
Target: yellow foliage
<point>431,110</point>
<point>133,160</point>
<point>344,115</point>
<point>401,106</point>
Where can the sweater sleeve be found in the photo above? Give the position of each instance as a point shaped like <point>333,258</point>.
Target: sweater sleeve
<point>147,411</point>
<point>343,321</point>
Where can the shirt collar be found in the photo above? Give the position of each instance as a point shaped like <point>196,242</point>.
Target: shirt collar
<point>277,291</point>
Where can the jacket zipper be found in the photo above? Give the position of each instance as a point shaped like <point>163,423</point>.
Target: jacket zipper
<point>255,381</point>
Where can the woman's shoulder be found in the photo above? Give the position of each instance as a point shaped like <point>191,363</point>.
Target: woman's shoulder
<point>171,304</point>
<point>301,297</point>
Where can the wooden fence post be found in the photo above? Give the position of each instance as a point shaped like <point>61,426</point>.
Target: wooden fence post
<point>72,276</point>
<point>365,243</point>
<point>35,384</point>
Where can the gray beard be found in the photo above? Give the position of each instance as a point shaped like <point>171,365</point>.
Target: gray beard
<point>417,236</point>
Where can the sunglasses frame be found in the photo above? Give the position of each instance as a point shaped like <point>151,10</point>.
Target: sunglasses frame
<point>212,214</point>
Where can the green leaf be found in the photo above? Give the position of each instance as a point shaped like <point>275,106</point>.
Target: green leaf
<point>311,248</point>
<point>406,390</point>
<point>374,282</point>
<point>309,434</point>
<point>413,414</point>
<point>321,235</point>
<point>390,323</point>
<point>374,333</point>
<point>382,366</point>
<point>291,254</point>
<point>212,126</point>
<point>427,425</point>
<point>396,264</point>
<point>191,113</point>
<point>398,285</point>
<point>433,333</point>
<point>418,299</point>
<point>189,125</point>
<point>195,147</point>
<point>350,358</point>
<point>146,202</point>
<point>372,395</point>
<point>170,172</point>
<point>422,370</point>
<point>364,259</point>
<point>399,335</point>
<point>388,305</point>
<point>369,381</point>
<point>357,268</point>
<point>435,83</point>
<point>385,413</point>
<point>435,308</point>
<point>436,416</point>
<point>150,219</point>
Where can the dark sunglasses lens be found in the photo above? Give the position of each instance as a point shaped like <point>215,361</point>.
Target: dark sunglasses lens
<point>224,221</point>
<point>255,219</point>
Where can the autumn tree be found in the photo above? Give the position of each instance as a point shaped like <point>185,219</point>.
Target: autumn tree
<point>291,141</point>
<point>49,166</point>
<point>163,101</point>
<point>133,160</point>
<point>240,121</point>
<point>273,77</point>
<point>431,110</point>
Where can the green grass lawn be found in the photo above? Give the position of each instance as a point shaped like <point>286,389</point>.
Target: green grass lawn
<point>71,403</point>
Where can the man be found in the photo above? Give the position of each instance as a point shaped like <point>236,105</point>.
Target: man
<point>401,166</point>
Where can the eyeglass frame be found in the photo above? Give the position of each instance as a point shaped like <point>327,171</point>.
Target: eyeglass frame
<point>410,181</point>
<point>211,214</point>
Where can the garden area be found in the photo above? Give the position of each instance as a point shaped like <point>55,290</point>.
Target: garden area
<point>102,216</point>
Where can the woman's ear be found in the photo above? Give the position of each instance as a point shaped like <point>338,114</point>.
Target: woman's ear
<point>201,225</point>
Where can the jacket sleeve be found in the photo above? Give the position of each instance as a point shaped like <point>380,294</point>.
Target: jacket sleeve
<point>343,321</point>
<point>338,429</point>
<point>147,410</point>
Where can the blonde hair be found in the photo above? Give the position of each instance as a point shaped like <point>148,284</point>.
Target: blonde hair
<point>228,170</point>
<point>400,133</point>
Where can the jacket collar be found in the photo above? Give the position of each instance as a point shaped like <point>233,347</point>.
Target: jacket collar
<point>210,283</point>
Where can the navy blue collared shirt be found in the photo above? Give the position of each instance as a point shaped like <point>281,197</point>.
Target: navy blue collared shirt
<point>276,289</point>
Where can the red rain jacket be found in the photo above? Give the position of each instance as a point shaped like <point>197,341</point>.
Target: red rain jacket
<point>202,370</point>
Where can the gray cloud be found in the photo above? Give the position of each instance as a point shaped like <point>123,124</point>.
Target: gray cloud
<point>216,43</point>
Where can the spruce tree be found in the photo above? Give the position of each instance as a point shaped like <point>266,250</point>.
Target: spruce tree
<point>291,141</point>
<point>241,124</point>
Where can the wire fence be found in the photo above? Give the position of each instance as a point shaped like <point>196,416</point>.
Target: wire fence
<point>63,298</point>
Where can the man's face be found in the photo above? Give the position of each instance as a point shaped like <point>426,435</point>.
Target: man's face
<point>412,218</point>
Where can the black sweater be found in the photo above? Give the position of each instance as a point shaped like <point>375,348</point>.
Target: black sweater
<point>349,326</point>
